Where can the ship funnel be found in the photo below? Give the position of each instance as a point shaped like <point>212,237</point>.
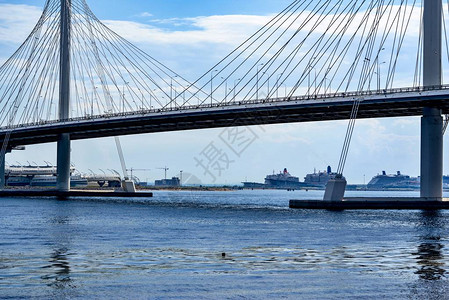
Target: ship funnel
<point>384,173</point>
<point>399,173</point>
<point>329,169</point>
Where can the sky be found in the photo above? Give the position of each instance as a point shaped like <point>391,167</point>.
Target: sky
<point>189,37</point>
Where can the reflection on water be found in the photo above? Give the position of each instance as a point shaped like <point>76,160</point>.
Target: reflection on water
<point>429,256</point>
<point>58,269</point>
<point>431,260</point>
<point>59,266</point>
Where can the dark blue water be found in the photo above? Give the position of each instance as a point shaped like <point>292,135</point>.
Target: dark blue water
<point>171,247</point>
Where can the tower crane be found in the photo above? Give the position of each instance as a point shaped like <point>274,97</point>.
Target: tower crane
<point>133,169</point>
<point>165,169</point>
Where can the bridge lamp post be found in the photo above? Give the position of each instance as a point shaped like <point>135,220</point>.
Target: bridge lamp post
<point>235,87</point>
<point>226,88</point>
<point>325,88</point>
<point>171,90</point>
<point>176,95</point>
<point>141,93</point>
<point>257,81</point>
<point>378,75</point>
<point>37,107</point>
<point>92,102</point>
<point>314,81</point>
<point>85,107</point>
<point>308,82</point>
<point>330,82</point>
<point>277,84</point>
<point>151,98</point>
<point>260,77</point>
<point>184,94</point>
<point>268,83</point>
<point>212,87</point>
<point>123,107</point>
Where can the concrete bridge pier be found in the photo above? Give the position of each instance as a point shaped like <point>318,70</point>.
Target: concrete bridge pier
<point>63,184</point>
<point>2,170</point>
<point>432,154</point>
<point>432,122</point>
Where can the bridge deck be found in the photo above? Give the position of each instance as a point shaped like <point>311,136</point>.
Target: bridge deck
<point>394,103</point>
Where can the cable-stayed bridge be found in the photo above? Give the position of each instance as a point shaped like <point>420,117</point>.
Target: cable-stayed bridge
<point>74,78</point>
<point>391,103</point>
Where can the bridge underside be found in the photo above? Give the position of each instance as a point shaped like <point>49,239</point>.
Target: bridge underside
<point>293,111</point>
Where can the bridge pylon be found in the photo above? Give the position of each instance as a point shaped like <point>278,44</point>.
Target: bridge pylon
<point>432,121</point>
<point>63,152</point>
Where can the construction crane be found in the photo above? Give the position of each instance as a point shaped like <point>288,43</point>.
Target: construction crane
<point>132,170</point>
<point>165,169</point>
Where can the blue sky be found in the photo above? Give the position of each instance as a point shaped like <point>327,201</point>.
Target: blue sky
<point>178,8</point>
<point>382,144</point>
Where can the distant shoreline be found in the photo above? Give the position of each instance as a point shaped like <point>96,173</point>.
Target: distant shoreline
<point>360,188</point>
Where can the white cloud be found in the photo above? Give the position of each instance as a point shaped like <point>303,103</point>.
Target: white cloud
<point>227,29</point>
<point>17,21</point>
<point>145,14</point>
<point>384,136</point>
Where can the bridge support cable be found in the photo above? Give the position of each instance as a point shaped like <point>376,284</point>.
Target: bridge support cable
<point>348,137</point>
<point>72,66</point>
<point>417,80</point>
<point>250,46</point>
<point>108,75</point>
<point>109,99</point>
<point>310,48</point>
<point>316,48</point>
<point>366,46</point>
<point>20,86</point>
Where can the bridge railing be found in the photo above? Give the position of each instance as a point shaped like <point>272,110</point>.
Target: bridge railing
<point>316,97</point>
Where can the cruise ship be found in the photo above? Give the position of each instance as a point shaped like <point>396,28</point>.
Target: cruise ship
<point>284,180</point>
<point>393,181</point>
<point>319,179</point>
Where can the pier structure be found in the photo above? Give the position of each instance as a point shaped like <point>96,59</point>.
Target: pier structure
<point>432,121</point>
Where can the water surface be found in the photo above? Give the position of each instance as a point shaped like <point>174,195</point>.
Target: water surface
<point>219,245</point>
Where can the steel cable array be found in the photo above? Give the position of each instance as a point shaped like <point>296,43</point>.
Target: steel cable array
<point>108,74</point>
